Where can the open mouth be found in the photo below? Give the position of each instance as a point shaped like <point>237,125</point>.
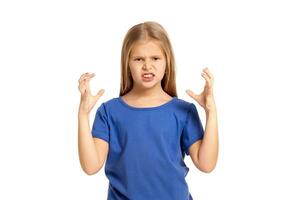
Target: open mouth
<point>148,76</point>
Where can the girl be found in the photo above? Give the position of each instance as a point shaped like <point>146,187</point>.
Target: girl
<point>144,134</point>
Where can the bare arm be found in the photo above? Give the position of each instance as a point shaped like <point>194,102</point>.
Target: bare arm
<point>92,151</point>
<point>208,151</point>
<point>204,153</point>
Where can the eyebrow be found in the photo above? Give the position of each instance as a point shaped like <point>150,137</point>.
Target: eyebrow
<point>144,57</point>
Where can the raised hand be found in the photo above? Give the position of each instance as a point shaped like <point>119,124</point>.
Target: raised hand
<point>87,100</point>
<point>206,97</point>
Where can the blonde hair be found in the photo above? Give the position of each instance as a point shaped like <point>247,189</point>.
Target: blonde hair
<point>148,30</point>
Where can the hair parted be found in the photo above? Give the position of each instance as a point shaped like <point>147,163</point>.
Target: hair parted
<point>146,31</point>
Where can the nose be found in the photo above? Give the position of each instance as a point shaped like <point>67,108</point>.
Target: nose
<point>147,65</point>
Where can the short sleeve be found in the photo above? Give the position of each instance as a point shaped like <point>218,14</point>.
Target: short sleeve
<point>100,128</point>
<point>193,129</point>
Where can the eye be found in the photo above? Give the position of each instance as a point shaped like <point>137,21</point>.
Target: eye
<point>137,59</point>
<point>156,58</point>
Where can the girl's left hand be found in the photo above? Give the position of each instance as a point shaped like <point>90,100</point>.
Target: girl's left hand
<point>206,98</point>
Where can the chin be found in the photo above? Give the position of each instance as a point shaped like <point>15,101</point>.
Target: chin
<point>148,84</point>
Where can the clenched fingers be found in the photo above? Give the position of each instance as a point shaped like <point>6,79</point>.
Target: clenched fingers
<point>86,81</point>
<point>85,76</point>
<point>209,74</point>
<point>81,77</point>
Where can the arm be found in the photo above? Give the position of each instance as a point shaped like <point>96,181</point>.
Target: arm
<point>92,151</point>
<point>204,153</point>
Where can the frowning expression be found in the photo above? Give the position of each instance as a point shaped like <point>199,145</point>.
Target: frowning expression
<point>147,63</point>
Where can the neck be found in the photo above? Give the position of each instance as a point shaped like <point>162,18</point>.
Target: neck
<point>148,93</point>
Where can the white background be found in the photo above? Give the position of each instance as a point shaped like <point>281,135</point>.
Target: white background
<point>251,47</point>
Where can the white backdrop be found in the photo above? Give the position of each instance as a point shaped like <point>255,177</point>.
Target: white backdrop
<point>251,47</point>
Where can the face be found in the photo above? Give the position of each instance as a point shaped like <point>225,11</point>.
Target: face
<point>147,64</point>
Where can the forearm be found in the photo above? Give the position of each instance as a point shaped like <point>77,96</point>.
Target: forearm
<point>86,146</point>
<point>208,151</point>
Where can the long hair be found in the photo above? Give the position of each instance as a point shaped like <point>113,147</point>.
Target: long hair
<point>148,30</point>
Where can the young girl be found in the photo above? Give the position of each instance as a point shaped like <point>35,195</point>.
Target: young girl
<point>144,134</point>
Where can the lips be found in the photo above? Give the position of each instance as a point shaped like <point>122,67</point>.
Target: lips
<point>147,75</point>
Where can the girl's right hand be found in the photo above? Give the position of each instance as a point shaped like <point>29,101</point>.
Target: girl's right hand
<point>87,101</point>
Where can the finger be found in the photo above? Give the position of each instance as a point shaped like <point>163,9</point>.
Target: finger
<point>191,94</point>
<point>208,82</point>
<point>85,76</point>
<point>83,82</point>
<point>100,93</point>
<point>87,81</point>
<point>207,79</point>
<point>88,76</point>
<point>81,77</point>
<point>207,71</point>
<point>87,84</point>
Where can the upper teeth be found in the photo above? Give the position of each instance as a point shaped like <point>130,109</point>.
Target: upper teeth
<point>148,75</point>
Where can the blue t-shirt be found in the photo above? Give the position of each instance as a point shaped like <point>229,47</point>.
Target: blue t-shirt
<point>147,147</point>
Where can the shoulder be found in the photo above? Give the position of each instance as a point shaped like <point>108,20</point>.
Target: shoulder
<point>107,104</point>
<point>183,107</point>
<point>184,104</point>
<point>110,102</point>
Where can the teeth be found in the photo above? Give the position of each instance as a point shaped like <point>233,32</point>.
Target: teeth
<point>148,75</point>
